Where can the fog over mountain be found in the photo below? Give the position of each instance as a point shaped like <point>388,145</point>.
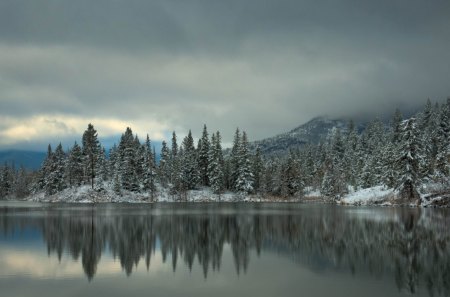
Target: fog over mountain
<point>263,65</point>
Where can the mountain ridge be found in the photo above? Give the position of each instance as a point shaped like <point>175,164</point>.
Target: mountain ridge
<point>311,132</point>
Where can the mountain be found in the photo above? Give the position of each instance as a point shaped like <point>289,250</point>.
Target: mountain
<point>310,133</point>
<point>29,159</point>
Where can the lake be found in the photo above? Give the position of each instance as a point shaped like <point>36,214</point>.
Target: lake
<point>229,249</point>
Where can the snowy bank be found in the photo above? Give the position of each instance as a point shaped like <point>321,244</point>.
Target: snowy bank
<point>431,196</point>
<point>106,194</point>
<point>379,195</point>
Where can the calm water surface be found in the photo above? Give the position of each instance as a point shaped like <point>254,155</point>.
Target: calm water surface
<point>222,250</point>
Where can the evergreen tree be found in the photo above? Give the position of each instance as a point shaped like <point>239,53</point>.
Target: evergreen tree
<point>113,161</point>
<point>443,150</point>
<point>245,178</point>
<point>409,160</point>
<point>427,130</point>
<point>290,177</point>
<point>189,170</point>
<point>128,162</point>
<point>258,170</point>
<point>22,184</point>
<point>91,151</point>
<point>75,166</point>
<point>203,157</point>
<point>6,181</point>
<point>164,163</point>
<point>56,178</point>
<point>234,160</point>
<point>174,160</point>
<point>148,168</point>
<point>215,164</point>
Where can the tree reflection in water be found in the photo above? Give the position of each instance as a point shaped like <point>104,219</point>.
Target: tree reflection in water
<point>410,244</point>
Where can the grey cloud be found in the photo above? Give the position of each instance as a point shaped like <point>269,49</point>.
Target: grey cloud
<point>264,65</point>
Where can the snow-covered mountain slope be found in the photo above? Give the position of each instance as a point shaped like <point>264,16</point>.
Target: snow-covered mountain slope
<point>311,132</point>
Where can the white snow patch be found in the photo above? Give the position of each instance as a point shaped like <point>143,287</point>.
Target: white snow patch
<point>374,195</point>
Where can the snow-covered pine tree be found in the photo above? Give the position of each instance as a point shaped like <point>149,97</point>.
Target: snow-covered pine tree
<point>174,161</point>
<point>270,183</point>
<point>427,134</point>
<point>22,183</point>
<point>291,182</point>
<point>164,165</point>
<point>234,160</point>
<point>443,150</point>
<point>44,171</point>
<point>258,170</point>
<point>335,170</point>
<point>91,151</point>
<point>408,160</point>
<point>148,168</point>
<point>6,181</point>
<point>102,165</point>
<point>128,161</point>
<point>75,166</point>
<point>350,155</point>
<point>245,178</point>
<point>215,164</point>
<point>117,185</point>
<point>328,182</point>
<point>189,170</point>
<point>203,157</point>
<point>139,160</point>
<point>113,161</point>
<point>56,180</point>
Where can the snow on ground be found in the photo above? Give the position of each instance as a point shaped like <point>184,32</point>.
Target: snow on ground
<point>374,195</point>
<point>309,192</point>
<point>105,193</point>
<point>435,195</point>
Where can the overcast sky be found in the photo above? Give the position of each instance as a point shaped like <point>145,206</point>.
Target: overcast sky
<point>266,66</point>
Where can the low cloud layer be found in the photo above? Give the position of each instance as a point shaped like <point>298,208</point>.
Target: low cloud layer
<point>265,66</point>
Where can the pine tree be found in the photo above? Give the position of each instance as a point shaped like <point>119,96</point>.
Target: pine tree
<point>56,180</point>
<point>164,163</point>
<point>148,168</point>
<point>128,161</point>
<point>113,161</point>
<point>234,160</point>
<point>91,151</point>
<point>216,164</point>
<point>290,177</point>
<point>22,184</point>
<point>189,170</point>
<point>203,157</point>
<point>102,165</point>
<point>117,187</point>
<point>75,166</point>
<point>443,149</point>
<point>5,181</point>
<point>174,162</point>
<point>258,170</point>
<point>427,130</point>
<point>350,155</point>
<point>409,160</point>
<point>245,178</point>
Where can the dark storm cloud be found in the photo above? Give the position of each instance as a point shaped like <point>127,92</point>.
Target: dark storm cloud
<point>266,66</point>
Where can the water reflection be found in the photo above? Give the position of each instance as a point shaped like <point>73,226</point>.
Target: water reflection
<point>410,245</point>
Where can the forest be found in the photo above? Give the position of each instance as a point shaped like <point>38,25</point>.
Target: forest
<point>409,155</point>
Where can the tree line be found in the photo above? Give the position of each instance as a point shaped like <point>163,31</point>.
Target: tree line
<point>404,154</point>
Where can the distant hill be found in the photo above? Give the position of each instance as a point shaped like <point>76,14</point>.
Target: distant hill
<point>311,132</point>
<point>29,159</point>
